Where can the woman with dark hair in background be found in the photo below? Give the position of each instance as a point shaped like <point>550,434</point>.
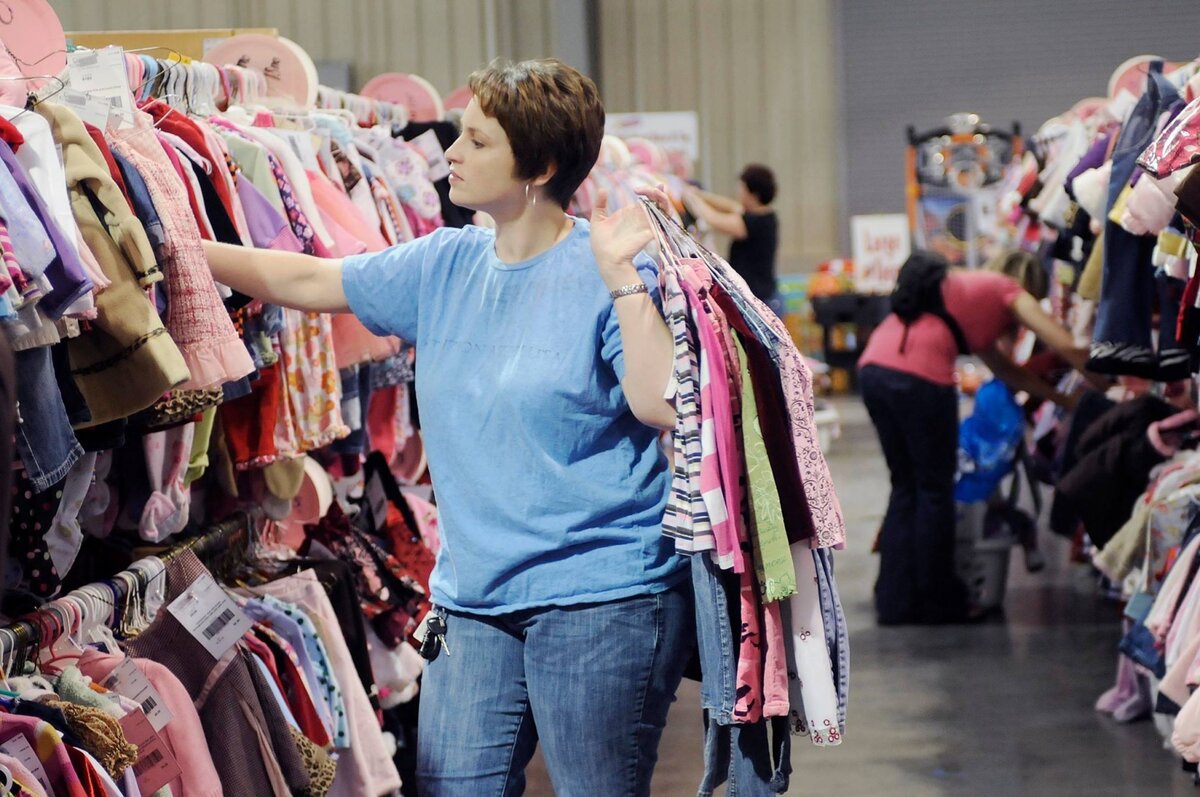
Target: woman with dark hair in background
<point>907,382</point>
<point>751,223</point>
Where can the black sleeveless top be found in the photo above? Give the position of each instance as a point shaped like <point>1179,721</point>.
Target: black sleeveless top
<point>754,256</point>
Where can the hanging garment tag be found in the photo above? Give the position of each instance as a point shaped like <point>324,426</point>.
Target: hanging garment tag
<point>19,748</point>
<point>156,765</point>
<point>128,680</point>
<point>92,110</point>
<point>431,149</point>
<point>210,616</point>
<point>101,74</point>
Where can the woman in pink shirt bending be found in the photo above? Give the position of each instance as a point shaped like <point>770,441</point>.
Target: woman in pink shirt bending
<point>907,381</point>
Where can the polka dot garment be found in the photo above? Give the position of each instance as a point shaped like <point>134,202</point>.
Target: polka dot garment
<point>32,516</point>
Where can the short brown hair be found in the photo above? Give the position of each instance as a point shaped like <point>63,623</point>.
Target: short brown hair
<point>1025,268</point>
<point>760,181</point>
<point>552,115</point>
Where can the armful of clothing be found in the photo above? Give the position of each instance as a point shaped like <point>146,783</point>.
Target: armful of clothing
<point>722,214</point>
<point>301,282</point>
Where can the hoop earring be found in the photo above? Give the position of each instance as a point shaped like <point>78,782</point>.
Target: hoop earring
<point>528,201</point>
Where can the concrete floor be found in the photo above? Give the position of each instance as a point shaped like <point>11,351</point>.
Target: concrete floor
<point>981,711</point>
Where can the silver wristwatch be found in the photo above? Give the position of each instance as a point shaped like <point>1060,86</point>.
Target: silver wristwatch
<point>629,290</point>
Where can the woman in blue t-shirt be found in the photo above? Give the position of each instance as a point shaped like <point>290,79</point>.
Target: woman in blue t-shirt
<point>543,362</point>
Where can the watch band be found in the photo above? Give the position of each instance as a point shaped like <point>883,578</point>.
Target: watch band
<point>629,290</point>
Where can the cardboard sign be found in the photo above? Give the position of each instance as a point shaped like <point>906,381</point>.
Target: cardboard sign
<point>880,245</point>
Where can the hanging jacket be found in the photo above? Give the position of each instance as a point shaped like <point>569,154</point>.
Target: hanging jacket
<point>127,361</point>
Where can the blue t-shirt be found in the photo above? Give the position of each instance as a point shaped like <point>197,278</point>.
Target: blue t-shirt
<point>550,492</point>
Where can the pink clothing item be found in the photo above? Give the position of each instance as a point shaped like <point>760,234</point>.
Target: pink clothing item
<point>776,699</point>
<point>1175,683</point>
<point>345,243</point>
<point>420,225</point>
<point>749,704</point>
<point>91,266</point>
<point>1150,207</point>
<point>981,303</point>
<point>1162,613</point>
<point>29,783</point>
<point>717,426</point>
<point>341,209</point>
<point>51,752</point>
<point>1186,736</point>
<point>168,508</point>
<point>196,318</point>
<point>354,344</point>
<point>366,768</point>
<point>183,735</point>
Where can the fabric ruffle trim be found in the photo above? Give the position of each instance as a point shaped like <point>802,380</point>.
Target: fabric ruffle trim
<point>213,363</point>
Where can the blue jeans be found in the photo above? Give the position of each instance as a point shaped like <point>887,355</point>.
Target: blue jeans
<point>45,440</point>
<point>592,683</point>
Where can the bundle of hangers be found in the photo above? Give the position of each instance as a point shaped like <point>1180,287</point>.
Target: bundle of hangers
<point>367,111</point>
<point>109,603</point>
<point>194,85</point>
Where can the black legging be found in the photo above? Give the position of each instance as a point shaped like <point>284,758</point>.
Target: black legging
<point>917,423</point>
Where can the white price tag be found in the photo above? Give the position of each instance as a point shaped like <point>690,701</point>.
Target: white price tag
<point>428,145</point>
<point>101,75</point>
<point>90,109</point>
<point>19,748</point>
<point>128,680</point>
<point>156,765</point>
<point>210,616</point>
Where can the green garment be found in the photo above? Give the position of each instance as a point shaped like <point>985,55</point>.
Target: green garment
<point>772,555</point>
<point>251,158</point>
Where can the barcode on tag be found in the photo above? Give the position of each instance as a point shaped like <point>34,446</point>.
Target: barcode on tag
<point>211,616</point>
<point>127,680</point>
<point>218,624</point>
<point>155,758</point>
<point>85,59</point>
<point>156,765</point>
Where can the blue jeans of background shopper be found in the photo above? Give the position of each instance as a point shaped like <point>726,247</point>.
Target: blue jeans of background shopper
<point>917,423</point>
<point>591,683</point>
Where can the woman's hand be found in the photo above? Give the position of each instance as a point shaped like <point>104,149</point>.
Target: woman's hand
<point>617,239</point>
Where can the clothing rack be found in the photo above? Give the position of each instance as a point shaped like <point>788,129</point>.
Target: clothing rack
<point>231,536</point>
<point>187,42</point>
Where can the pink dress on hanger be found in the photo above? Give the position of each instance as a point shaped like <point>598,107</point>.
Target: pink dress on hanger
<point>196,318</point>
